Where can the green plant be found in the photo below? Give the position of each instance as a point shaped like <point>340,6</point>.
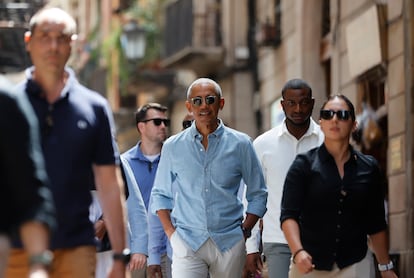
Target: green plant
<point>148,16</point>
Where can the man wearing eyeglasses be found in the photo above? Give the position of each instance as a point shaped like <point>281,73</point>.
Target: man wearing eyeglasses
<point>196,186</point>
<point>152,125</point>
<point>188,120</point>
<point>296,134</point>
<point>78,140</point>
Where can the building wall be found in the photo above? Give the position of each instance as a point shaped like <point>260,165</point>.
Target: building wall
<point>235,78</point>
<point>400,79</point>
<point>299,55</point>
<point>296,57</point>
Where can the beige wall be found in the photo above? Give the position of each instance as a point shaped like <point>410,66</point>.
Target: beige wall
<point>298,56</point>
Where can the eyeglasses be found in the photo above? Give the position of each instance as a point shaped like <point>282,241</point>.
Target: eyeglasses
<point>197,101</point>
<point>302,103</point>
<point>342,115</point>
<point>187,124</point>
<point>158,121</point>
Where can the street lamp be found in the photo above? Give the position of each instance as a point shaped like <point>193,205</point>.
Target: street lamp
<point>133,41</point>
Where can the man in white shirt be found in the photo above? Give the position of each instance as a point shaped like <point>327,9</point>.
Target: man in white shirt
<point>276,149</point>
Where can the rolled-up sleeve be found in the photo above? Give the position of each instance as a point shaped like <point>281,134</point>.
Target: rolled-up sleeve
<point>256,192</point>
<point>161,194</point>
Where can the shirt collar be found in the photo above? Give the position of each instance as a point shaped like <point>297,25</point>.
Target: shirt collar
<point>137,154</point>
<point>325,155</point>
<point>70,82</point>
<point>312,129</point>
<point>218,132</point>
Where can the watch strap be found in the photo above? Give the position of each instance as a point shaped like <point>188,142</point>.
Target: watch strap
<point>125,256</point>
<point>44,258</point>
<point>386,267</point>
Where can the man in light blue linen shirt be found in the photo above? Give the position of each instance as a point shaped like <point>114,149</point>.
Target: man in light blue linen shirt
<point>195,190</point>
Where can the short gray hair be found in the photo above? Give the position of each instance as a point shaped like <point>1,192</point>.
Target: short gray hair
<point>54,14</point>
<point>205,80</point>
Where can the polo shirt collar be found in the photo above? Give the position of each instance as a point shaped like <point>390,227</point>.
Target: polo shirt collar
<point>70,82</point>
<point>137,154</point>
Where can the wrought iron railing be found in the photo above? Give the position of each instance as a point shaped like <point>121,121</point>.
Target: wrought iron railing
<point>184,27</point>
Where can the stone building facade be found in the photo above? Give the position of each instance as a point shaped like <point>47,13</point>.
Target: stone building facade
<point>360,48</point>
<point>363,49</point>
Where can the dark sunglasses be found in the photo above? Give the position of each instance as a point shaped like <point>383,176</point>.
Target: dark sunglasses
<point>158,121</point>
<point>197,101</point>
<point>187,124</point>
<point>342,115</point>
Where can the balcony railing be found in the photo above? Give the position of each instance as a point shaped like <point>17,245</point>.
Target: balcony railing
<point>14,21</point>
<point>192,29</point>
<point>13,55</point>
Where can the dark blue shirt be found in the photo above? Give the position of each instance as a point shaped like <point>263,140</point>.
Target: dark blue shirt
<point>24,195</point>
<point>77,132</point>
<point>335,215</point>
<point>144,170</point>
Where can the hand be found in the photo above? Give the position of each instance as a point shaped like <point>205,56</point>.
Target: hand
<point>253,265</point>
<point>100,229</point>
<point>170,232</point>
<point>154,271</point>
<point>38,272</point>
<point>117,270</point>
<point>303,262</point>
<point>138,261</point>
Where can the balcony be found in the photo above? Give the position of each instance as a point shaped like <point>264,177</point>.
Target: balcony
<point>193,36</point>
<point>13,55</point>
<point>14,18</point>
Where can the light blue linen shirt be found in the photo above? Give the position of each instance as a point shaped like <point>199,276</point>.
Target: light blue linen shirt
<point>200,186</point>
<point>137,214</point>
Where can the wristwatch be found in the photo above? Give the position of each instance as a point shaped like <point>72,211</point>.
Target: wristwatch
<point>246,232</point>
<point>124,257</point>
<point>44,258</point>
<point>385,267</point>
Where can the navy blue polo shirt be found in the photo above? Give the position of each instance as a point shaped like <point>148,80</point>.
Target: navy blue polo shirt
<point>77,132</point>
